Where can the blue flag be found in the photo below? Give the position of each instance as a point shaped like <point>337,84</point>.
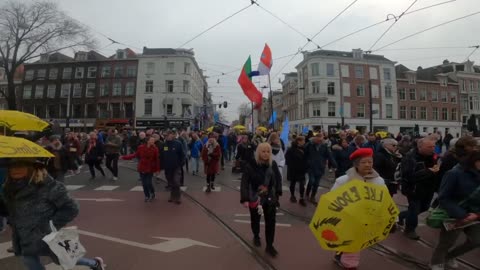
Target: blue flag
<point>274,116</point>
<point>285,131</point>
<point>305,130</point>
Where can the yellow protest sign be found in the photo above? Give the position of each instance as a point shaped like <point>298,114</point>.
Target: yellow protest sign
<point>354,216</point>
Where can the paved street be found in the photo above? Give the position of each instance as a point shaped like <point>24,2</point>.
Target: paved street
<point>208,231</point>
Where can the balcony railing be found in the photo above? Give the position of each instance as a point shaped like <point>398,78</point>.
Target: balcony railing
<point>322,96</point>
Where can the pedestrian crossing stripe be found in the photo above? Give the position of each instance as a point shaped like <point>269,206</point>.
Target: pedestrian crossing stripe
<point>137,188</point>
<point>74,187</point>
<point>183,188</point>
<point>217,189</point>
<point>106,188</point>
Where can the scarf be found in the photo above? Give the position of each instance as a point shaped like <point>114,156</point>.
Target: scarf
<point>353,174</point>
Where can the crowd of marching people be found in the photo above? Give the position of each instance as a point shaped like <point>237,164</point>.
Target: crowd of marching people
<point>430,170</point>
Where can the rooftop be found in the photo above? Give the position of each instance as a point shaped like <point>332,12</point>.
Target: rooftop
<point>344,54</point>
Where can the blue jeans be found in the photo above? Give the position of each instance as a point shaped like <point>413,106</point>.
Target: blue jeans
<point>195,164</point>
<point>147,183</point>
<point>33,262</point>
<point>313,184</point>
<point>416,206</point>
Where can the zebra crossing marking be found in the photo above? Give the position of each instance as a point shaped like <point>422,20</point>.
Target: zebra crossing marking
<point>74,187</point>
<point>217,189</point>
<point>106,188</point>
<point>184,188</point>
<point>137,188</point>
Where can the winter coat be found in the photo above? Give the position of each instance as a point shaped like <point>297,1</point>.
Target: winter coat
<point>375,146</point>
<point>148,159</point>
<point>458,185</point>
<point>73,147</point>
<point>211,161</point>
<point>245,152</point>
<point>385,164</point>
<point>342,159</point>
<point>417,179</point>
<point>449,160</point>
<point>113,143</point>
<point>317,156</point>
<point>184,143</point>
<point>58,163</point>
<point>172,156</point>
<point>134,141</point>
<point>195,148</point>
<point>373,178</point>
<point>29,211</point>
<point>95,154</point>
<point>296,163</point>
<point>279,157</point>
<point>255,175</point>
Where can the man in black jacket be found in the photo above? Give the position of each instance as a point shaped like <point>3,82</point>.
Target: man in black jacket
<point>172,158</point>
<point>419,178</point>
<point>385,162</point>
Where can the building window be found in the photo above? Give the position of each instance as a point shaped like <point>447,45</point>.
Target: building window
<point>472,87</point>
<point>116,113</point>
<point>169,86</point>
<point>423,113</point>
<point>90,90</point>
<point>148,106</point>
<point>464,101</point>
<point>315,87</point>
<point>360,90</point>
<point>131,71</point>
<point>29,75</point>
<point>403,112</point>
<point>130,89</point>
<point>315,69</point>
<point>117,89</point>
<point>150,68</point>
<point>53,73</point>
<point>402,94</point>
<point>169,109</point>
<point>413,94</point>
<point>104,89</point>
<point>170,67</point>
<point>186,68</point>
<point>453,97</point>
<point>149,86</point>
<point>444,114</point>
<point>413,112</point>
<point>103,110</point>
<point>359,72</point>
<point>462,85</point>
<point>186,86</point>
<point>91,111</point>
<point>51,92</point>
<point>434,95</point>
<point>77,90</point>
<point>67,73</point>
<point>65,90</point>
<point>92,72</point>
<point>331,109</point>
<point>128,107</point>
<point>79,72</point>
<point>41,74</point>
<point>389,111</point>
<point>435,113</point>
<point>106,72</point>
<point>423,94</point>
<point>412,79</point>
<point>316,109</point>
<point>443,81</point>
<point>52,111</point>
<point>443,95</point>
<point>39,91</point>
<point>453,115</point>
<point>360,110</point>
<point>331,88</point>
<point>330,70</point>
<point>388,90</point>
<point>27,91</point>
<point>387,74</point>
<point>77,111</point>
<point>118,72</point>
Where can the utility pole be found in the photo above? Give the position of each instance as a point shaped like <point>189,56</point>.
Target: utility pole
<point>204,122</point>
<point>67,120</point>
<point>370,104</point>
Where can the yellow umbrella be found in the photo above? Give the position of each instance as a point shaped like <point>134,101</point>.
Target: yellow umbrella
<point>262,129</point>
<point>381,134</point>
<point>239,127</point>
<point>210,129</point>
<point>14,147</point>
<point>20,121</point>
<point>354,216</point>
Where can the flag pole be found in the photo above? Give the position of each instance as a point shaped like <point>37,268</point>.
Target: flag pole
<point>253,130</point>
<point>271,101</point>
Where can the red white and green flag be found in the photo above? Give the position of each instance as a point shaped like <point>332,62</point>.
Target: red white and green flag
<point>249,89</point>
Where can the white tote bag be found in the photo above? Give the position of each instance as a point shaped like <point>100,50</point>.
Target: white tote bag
<point>66,245</point>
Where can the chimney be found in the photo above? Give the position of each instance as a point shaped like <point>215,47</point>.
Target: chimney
<point>357,53</point>
<point>446,62</point>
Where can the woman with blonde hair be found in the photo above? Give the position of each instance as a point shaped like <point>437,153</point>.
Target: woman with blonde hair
<point>31,199</point>
<point>260,191</point>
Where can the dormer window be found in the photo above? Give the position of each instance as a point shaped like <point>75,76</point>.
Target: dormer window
<point>412,79</point>
<point>443,81</point>
<point>121,54</point>
<point>81,56</point>
<point>357,54</point>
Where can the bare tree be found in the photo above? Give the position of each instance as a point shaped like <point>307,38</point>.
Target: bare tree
<point>29,30</point>
<point>244,109</point>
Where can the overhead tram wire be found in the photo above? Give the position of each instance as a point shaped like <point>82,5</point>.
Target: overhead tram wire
<point>384,21</point>
<point>428,29</point>
<point>218,23</point>
<point>308,42</point>
<point>391,26</point>
<point>474,50</point>
<point>425,48</point>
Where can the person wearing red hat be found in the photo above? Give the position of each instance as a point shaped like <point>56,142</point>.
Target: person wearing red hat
<point>362,169</point>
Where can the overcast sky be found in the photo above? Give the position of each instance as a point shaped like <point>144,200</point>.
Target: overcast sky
<point>168,24</point>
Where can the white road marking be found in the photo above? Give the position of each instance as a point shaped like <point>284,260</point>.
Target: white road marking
<point>217,189</point>
<point>247,215</point>
<point>170,245</point>
<point>53,266</point>
<point>237,180</point>
<point>262,223</point>
<point>99,199</point>
<point>238,187</point>
<point>183,188</point>
<point>73,187</point>
<point>285,188</point>
<point>137,188</point>
<point>3,250</point>
<point>107,188</point>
